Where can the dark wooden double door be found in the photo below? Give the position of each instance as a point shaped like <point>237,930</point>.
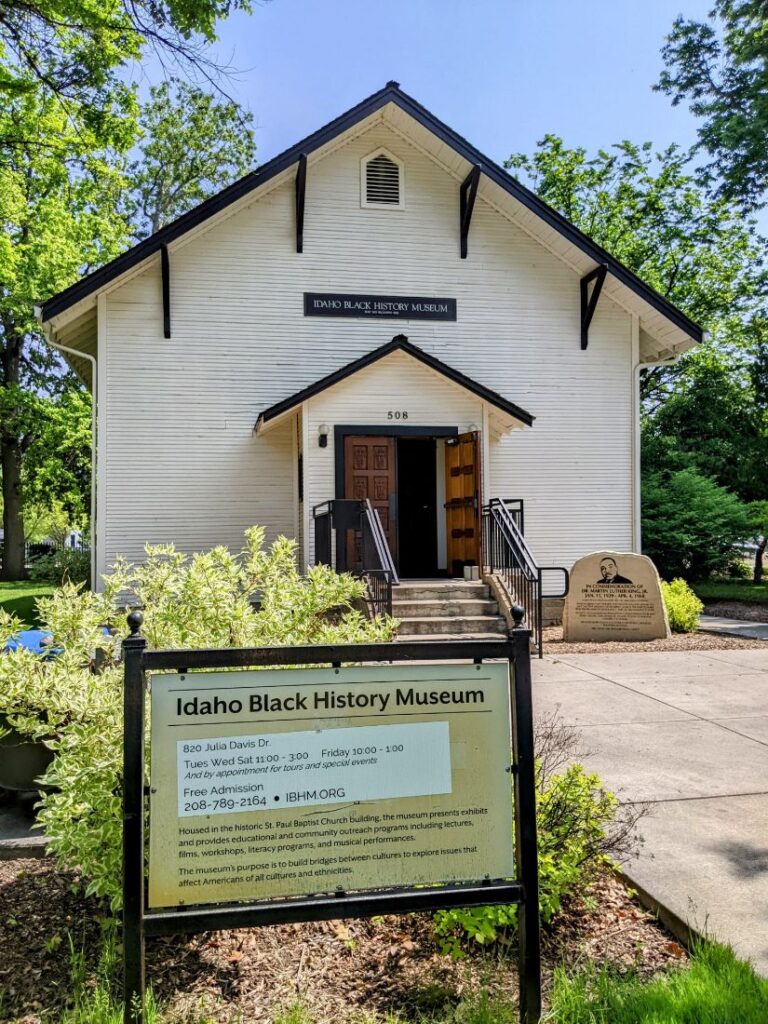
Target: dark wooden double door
<point>399,477</point>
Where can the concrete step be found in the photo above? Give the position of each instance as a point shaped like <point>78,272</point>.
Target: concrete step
<point>405,638</point>
<point>455,624</point>
<point>440,608</point>
<point>440,590</point>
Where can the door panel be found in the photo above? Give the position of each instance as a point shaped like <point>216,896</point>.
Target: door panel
<point>370,471</point>
<point>462,504</point>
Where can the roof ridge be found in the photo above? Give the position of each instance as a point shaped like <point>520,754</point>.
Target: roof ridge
<point>390,93</point>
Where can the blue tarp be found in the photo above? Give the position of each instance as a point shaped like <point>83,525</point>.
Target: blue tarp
<point>35,640</point>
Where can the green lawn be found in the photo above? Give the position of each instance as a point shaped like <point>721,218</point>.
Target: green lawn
<point>716,989</point>
<point>732,590</point>
<point>19,599</point>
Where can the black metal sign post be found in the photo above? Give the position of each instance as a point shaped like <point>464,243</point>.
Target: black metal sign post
<point>140,922</point>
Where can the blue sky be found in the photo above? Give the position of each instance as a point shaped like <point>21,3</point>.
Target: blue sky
<point>501,72</point>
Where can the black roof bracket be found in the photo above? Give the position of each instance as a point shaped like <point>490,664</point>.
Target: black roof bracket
<point>301,191</point>
<point>165,269</point>
<point>390,94</point>
<point>467,196</point>
<point>589,301</point>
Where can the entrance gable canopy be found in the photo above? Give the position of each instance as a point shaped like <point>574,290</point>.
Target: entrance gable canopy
<point>507,414</point>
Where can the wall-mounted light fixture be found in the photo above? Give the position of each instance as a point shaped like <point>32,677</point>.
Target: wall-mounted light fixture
<point>323,430</point>
<point>473,428</point>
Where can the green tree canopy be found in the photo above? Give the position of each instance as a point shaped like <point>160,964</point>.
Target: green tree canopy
<point>705,430</point>
<point>193,144</point>
<point>647,209</point>
<point>73,50</point>
<point>720,68</point>
<point>690,525</point>
<point>66,210</point>
<point>712,422</point>
<point>60,211</point>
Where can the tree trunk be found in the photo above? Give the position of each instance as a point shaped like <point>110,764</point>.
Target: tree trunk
<point>13,567</point>
<point>758,574</point>
<point>13,518</point>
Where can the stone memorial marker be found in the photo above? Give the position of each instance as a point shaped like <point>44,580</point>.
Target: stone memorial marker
<point>614,596</point>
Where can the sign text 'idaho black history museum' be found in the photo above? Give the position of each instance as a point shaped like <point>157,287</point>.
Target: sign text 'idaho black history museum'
<point>282,794</point>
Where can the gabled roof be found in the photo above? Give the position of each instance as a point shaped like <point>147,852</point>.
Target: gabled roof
<point>398,344</point>
<point>390,94</point>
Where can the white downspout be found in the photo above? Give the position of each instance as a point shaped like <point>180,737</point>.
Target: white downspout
<point>94,401</point>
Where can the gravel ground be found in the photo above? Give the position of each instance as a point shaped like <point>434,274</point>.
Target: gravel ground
<point>338,969</point>
<point>554,643</point>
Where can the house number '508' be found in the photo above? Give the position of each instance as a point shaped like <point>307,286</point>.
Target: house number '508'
<point>397,415</point>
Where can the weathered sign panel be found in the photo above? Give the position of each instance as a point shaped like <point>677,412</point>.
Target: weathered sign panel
<point>287,782</point>
<point>614,596</point>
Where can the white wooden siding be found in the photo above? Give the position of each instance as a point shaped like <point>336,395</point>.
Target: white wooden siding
<point>182,464</point>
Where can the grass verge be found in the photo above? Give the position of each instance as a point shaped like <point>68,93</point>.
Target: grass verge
<point>716,989</point>
<point>731,590</point>
<point>20,599</point>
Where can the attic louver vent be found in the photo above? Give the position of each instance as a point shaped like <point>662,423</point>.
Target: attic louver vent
<point>382,181</point>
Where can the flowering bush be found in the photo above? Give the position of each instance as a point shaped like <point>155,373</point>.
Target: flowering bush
<point>198,601</point>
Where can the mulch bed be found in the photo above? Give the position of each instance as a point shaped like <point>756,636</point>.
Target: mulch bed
<point>554,643</point>
<point>337,969</point>
<point>738,610</point>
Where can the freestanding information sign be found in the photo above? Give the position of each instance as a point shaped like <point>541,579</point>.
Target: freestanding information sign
<point>300,794</point>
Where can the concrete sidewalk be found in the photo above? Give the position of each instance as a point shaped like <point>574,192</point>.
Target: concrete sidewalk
<point>688,732</point>
<point>734,627</point>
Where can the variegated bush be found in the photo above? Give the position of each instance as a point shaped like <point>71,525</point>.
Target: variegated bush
<point>204,600</point>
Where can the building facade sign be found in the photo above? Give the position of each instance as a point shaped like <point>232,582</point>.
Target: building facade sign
<point>392,307</point>
<point>287,782</point>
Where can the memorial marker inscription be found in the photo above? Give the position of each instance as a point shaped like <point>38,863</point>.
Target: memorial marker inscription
<point>614,596</point>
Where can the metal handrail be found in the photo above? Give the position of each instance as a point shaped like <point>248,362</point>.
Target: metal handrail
<point>508,557</point>
<point>378,568</point>
<point>375,566</point>
<point>386,562</point>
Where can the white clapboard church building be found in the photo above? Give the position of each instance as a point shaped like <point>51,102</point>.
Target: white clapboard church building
<point>379,343</point>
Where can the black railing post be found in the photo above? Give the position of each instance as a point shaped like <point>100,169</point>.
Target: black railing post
<point>540,616</point>
<point>525,822</point>
<point>133,823</point>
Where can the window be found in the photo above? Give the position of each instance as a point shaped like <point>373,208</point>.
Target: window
<point>382,181</point>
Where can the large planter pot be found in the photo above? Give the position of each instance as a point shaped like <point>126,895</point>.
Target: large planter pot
<point>22,761</point>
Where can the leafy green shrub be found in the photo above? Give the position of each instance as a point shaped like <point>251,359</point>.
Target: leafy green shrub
<point>573,818</point>
<point>202,601</point>
<point>683,607</point>
<point>62,565</point>
<point>738,569</point>
<point>690,525</point>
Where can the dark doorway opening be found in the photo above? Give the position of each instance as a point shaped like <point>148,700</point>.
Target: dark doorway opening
<point>417,506</point>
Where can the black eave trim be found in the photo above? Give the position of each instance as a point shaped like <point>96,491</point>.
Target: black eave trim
<point>391,93</point>
<point>401,345</point>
